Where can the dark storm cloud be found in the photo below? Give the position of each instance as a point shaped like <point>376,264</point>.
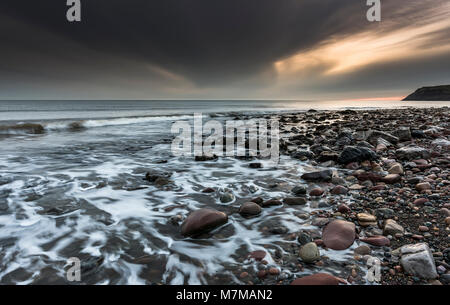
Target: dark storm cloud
<point>171,44</point>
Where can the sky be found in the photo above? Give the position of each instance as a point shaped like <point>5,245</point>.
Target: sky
<point>222,49</point>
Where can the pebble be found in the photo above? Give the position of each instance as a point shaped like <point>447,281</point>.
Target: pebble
<point>274,271</point>
<point>316,192</point>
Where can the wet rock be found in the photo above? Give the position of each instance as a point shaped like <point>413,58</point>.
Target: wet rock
<point>365,144</point>
<point>250,209</point>
<point>356,187</point>
<point>328,156</point>
<point>385,213</point>
<point>208,190</point>
<point>363,250</point>
<point>320,221</point>
<point>391,227</point>
<point>366,220</point>
<point>304,238</point>
<point>226,197</point>
<point>175,219</point>
<point>274,271</point>
<point>414,180</point>
<point>299,190</point>
<point>91,264</point>
<point>255,165</point>
<point>309,253</point>
<point>379,241</point>
<point>420,201</point>
<point>403,134</point>
<point>205,158</point>
<point>396,168</point>
<point>423,186</point>
<point>352,166</point>
<point>316,192</point>
<point>339,235</point>
<point>368,176</point>
<point>295,201</point>
<point>257,255</point>
<point>258,200</point>
<point>381,147</point>
<point>375,134</point>
<point>423,229</point>
<point>416,259</point>
<point>262,274</point>
<point>417,134</point>
<point>344,209</point>
<point>278,230</point>
<point>356,154</point>
<point>381,141</point>
<point>325,175</point>
<point>392,179</point>
<point>161,181</point>
<point>338,181</point>
<point>302,154</point>
<point>202,220</point>
<point>339,190</point>
<point>317,279</point>
<point>412,152</point>
<point>445,211</point>
<point>154,176</point>
<point>271,203</point>
<point>441,142</point>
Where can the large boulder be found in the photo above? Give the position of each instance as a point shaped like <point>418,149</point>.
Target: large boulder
<point>417,260</point>
<point>325,175</point>
<point>339,235</point>
<point>317,279</point>
<point>202,220</point>
<point>356,154</point>
<point>412,153</point>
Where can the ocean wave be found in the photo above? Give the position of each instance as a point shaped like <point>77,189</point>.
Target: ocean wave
<point>42,127</point>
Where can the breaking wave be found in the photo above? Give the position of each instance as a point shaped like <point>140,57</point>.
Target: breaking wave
<point>42,127</point>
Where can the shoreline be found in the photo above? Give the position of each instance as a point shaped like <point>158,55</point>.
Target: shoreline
<point>400,194</point>
<point>274,220</point>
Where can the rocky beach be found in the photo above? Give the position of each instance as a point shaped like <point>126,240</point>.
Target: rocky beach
<point>356,194</point>
<point>378,181</point>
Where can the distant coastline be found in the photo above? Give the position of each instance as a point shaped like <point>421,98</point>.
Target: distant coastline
<point>435,93</point>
